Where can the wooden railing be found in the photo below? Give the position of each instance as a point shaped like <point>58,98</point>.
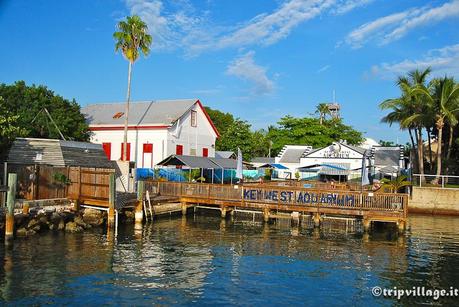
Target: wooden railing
<point>287,196</point>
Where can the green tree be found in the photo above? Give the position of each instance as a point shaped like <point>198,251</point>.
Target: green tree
<point>9,128</point>
<point>443,95</point>
<point>323,110</point>
<point>238,135</point>
<point>25,102</point>
<point>410,111</point>
<point>132,39</point>
<point>309,131</point>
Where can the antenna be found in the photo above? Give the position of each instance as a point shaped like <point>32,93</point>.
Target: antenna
<point>334,96</point>
<point>49,115</point>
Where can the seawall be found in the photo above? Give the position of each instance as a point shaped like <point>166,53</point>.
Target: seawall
<point>434,201</point>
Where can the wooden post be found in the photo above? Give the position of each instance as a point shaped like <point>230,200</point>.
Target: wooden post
<point>266,215</point>
<point>25,208</point>
<point>11,199</point>
<point>316,219</point>
<point>223,211</point>
<point>111,200</point>
<point>184,208</point>
<point>139,206</point>
<point>366,224</point>
<point>401,226</point>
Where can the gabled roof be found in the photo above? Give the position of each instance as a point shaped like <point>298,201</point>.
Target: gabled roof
<point>30,151</point>
<point>264,160</point>
<point>199,162</point>
<point>154,112</point>
<point>292,153</point>
<point>157,113</point>
<point>225,154</point>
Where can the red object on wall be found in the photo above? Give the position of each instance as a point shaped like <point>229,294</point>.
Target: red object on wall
<point>147,148</point>
<point>179,150</point>
<point>108,150</point>
<point>205,152</point>
<point>128,152</point>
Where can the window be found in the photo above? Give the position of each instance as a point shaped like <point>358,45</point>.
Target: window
<point>205,152</point>
<point>147,155</point>
<point>108,150</point>
<point>179,150</point>
<point>192,151</point>
<point>128,152</point>
<point>194,118</point>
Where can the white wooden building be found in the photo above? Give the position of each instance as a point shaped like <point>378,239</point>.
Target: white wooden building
<point>156,129</point>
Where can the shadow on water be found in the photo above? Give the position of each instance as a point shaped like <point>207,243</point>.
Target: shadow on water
<point>203,260</point>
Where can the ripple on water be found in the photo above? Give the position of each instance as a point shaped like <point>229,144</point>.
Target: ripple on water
<point>204,261</point>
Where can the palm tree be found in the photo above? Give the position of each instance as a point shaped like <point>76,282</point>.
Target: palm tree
<point>444,96</point>
<point>396,184</point>
<point>132,39</point>
<point>411,111</point>
<point>322,109</point>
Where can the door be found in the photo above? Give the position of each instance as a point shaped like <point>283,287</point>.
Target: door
<point>108,150</point>
<point>205,152</point>
<point>147,156</point>
<point>179,150</point>
<point>128,152</point>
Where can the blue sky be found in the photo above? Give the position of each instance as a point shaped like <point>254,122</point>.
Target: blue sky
<point>257,59</point>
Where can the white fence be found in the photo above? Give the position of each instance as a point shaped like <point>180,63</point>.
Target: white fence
<point>443,181</point>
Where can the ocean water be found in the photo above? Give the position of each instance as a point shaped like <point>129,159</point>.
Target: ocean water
<point>202,260</point>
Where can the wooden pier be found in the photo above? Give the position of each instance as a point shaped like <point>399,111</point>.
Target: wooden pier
<point>269,199</point>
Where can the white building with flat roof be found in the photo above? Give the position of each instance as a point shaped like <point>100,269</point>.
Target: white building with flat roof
<point>156,129</point>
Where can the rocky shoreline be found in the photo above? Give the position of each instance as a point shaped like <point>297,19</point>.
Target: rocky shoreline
<point>38,221</point>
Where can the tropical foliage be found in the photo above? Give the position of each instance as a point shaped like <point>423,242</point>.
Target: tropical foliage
<point>288,131</point>
<point>132,39</point>
<point>21,109</point>
<point>430,107</point>
<point>395,185</point>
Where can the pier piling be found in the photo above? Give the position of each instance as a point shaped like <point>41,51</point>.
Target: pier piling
<point>111,201</point>
<point>366,225</point>
<point>139,207</point>
<point>11,199</point>
<point>316,220</point>
<point>223,211</point>
<point>266,215</point>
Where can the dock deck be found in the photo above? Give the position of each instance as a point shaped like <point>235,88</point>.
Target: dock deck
<point>368,206</point>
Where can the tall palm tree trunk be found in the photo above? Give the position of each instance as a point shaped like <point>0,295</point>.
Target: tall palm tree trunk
<point>412,144</point>
<point>450,147</point>
<point>126,113</point>
<point>420,154</point>
<point>439,145</point>
<point>430,151</point>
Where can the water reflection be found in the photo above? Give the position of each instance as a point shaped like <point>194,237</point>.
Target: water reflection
<point>204,260</point>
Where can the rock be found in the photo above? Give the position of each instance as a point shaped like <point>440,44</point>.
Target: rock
<point>21,232</point>
<point>80,222</point>
<point>93,217</point>
<point>72,227</point>
<point>33,223</point>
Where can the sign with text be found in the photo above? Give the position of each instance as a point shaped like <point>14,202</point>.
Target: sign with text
<point>298,197</point>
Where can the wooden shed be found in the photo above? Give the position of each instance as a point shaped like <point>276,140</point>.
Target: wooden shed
<point>49,168</point>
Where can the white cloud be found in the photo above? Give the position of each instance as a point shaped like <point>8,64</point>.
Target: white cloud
<point>180,26</point>
<point>245,68</point>
<point>442,61</point>
<point>345,6</point>
<point>393,27</point>
<point>323,69</point>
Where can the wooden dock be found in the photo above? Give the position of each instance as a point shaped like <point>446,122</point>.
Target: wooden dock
<point>270,198</point>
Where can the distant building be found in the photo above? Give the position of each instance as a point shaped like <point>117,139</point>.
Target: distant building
<point>259,161</point>
<point>225,154</point>
<point>156,130</point>
<point>339,161</point>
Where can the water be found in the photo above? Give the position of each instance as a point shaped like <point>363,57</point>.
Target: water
<point>203,261</point>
